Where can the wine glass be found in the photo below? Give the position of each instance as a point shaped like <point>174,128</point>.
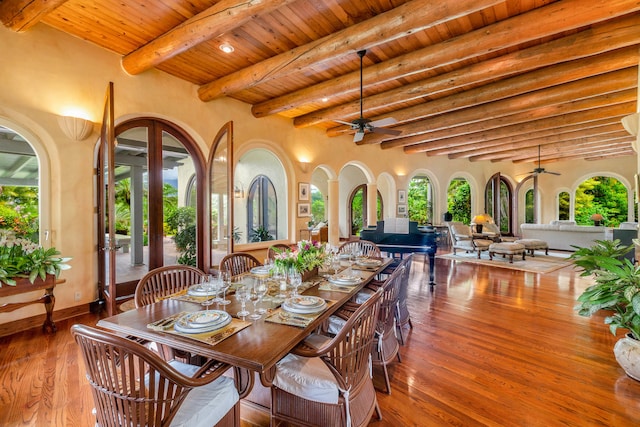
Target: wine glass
<point>208,286</point>
<point>280,278</point>
<point>225,283</point>
<point>261,289</point>
<point>335,263</point>
<point>242,295</point>
<point>295,278</point>
<point>254,297</point>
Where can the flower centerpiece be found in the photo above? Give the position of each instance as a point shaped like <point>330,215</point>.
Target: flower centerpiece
<point>21,258</point>
<point>306,256</point>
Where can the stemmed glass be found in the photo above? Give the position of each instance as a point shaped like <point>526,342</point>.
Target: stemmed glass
<point>335,262</point>
<point>225,283</point>
<point>254,297</point>
<point>261,289</point>
<point>280,277</point>
<point>242,295</point>
<point>295,279</point>
<point>209,286</point>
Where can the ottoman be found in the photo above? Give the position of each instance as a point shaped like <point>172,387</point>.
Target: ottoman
<point>531,245</point>
<point>507,248</point>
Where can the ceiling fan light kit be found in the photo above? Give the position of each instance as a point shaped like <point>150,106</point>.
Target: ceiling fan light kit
<point>363,125</point>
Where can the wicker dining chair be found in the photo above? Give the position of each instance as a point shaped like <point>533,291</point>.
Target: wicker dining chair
<point>238,263</point>
<point>326,381</point>
<point>133,386</point>
<point>276,249</point>
<point>163,281</point>
<point>365,247</point>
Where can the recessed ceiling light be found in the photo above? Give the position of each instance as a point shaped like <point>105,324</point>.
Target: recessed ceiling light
<point>226,48</point>
<point>325,99</point>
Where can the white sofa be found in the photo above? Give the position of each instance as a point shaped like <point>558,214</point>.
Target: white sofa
<point>562,235</point>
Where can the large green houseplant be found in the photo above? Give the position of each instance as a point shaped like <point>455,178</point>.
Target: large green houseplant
<point>616,291</point>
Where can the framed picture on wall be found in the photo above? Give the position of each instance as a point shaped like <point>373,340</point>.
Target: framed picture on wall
<point>402,210</point>
<point>402,196</point>
<point>303,191</point>
<point>304,209</point>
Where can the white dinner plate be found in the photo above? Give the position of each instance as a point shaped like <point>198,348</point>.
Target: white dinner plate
<point>305,302</point>
<point>205,318</point>
<point>343,279</point>
<point>260,271</point>
<point>199,291</point>
<point>368,262</point>
<point>183,326</point>
<point>304,310</point>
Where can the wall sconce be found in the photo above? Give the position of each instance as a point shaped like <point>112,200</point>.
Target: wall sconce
<point>304,166</point>
<point>238,193</point>
<point>75,128</point>
<point>630,123</point>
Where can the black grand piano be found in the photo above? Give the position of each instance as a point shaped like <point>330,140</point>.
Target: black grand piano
<point>400,236</point>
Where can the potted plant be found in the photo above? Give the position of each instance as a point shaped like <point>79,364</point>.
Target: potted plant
<point>21,259</point>
<point>617,291</point>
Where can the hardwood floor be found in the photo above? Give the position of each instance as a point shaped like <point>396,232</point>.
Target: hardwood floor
<point>490,347</point>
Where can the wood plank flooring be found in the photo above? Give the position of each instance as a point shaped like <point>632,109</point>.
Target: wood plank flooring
<point>490,347</point>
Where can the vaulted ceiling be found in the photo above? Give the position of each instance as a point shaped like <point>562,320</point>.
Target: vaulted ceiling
<point>476,79</point>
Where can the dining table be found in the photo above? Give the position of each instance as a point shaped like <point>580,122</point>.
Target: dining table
<point>253,347</point>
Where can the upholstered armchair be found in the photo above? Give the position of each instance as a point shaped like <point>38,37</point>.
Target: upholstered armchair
<point>462,238</point>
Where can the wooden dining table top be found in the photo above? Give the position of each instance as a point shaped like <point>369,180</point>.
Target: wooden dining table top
<point>257,348</point>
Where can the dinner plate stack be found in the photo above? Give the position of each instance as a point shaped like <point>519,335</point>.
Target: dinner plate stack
<point>202,321</point>
<point>304,304</point>
<point>261,270</point>
<point>200,291</point>
<point>344,279</point>
<point>368,262</point>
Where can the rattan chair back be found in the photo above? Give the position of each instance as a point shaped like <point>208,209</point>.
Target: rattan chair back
<point>163,281</point>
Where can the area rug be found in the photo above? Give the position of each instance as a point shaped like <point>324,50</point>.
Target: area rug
<point>538,264</point>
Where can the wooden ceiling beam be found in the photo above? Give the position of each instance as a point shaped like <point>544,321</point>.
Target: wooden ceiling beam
<point>545,98</point>
<point>509,90</point>
<point>579,147</point>
<point>413,16</point>
<point>487,149</point>
<point>564,142</point>
<point>594,41</point>
<point>210,23</point>
<point>557,17</point>
<point>523,139</point>
<point>441,138</point>
<point>20,15</point>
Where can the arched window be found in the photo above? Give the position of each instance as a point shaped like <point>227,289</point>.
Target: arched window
<point>317,205</point>
<point>529,206</point>
<point>459,200</point>
<point>19,189</point>
<point>601,195</point>
<point>262,210</point>
<point>564,206</point>
<point>358,211</point>
<point>420,200</point>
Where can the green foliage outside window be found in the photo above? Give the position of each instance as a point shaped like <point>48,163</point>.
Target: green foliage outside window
<point>459,200</point>
<point>604,195</point>
<point>563,206</point>
<point>19,211</point>
<point>317,205</point>
<point>419,204</point>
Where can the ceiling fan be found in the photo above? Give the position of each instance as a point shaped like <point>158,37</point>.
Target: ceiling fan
<point>362,125</point>
<point>539,169</point>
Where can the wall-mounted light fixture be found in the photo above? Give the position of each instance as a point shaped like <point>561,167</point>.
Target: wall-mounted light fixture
<point>238,192</point>
<point>630,123</point>
<point>75,128</point>
<point>304,166</point>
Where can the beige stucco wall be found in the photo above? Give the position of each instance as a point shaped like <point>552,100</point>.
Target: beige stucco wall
<point>45,72</point>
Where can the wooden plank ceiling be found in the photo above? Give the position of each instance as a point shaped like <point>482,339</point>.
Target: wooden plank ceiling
<point>476,79</point>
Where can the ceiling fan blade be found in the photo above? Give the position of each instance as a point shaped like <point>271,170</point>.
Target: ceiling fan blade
<point>357,137</point>
<point>385,131</point>
<point>553,173</point>
<point>342,122</point>
<point>383,122</point>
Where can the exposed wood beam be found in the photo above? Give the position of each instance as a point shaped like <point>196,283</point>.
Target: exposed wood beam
<point>517,91</point>
<point>558,17</point>
<point>410,17</point>
<point>20,15</point>
<point>544,98</point>
<point>594,41</point>
<point>523,139</point>
<point>564,143</point>
<point>617,146</point>
<point>214,21</point>
<point>621,103</point>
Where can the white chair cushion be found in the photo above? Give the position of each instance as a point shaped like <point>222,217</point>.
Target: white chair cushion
<point>307,377</point>
<point>363,295</point>
<point>204,406</point>
<point>335,324</point>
